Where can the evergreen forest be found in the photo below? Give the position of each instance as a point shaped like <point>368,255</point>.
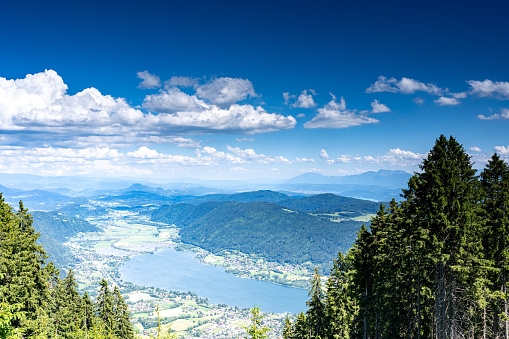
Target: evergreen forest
<point>36,303</point>
<point>434,265</point>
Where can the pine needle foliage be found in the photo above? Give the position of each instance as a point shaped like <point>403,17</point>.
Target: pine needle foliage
<point>431,266</point>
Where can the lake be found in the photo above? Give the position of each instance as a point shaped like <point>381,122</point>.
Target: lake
<point>180,271</point>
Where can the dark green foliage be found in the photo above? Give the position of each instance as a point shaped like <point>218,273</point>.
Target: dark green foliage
<point>36,303</point>
<point>260,228</point>
<point>331,203</point>
<point>432,266</point>
<point>316,318</point>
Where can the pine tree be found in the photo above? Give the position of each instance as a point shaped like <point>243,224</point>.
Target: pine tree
<point>256,330</point>
<point>288,329</point>
<point>316,316</point>
<point>300,329</point>
<point>338,302</point>
<point>123,327</point>
<point>67,307</point>
<point>24,277</point>
<point>104,307</point>
<point>443,198</point>
<point>495,216</point>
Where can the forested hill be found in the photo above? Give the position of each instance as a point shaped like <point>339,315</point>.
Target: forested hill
<point>267,229</point>
<point>56,228</point>
<point>262,195</point>
<point>329,202</point>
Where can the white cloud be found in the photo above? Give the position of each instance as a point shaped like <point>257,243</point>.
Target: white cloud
<point>502,150</point>
<point>461,95</point>
<point>324,155</point>
<point>378,107</point>
<point>333,115</point>
<point>225,91</point>
<point>445,101</point>
<point>144,152</point>
<point>304,100</point>
<point>490,88</point>
<point>149,80</point>
<point>405,85</point>
<point>244,139</point>
<point>335,105</point>
<point>403,154</point>
<point>287,97</point>
<point>418,100</point>
<point>39,103</point>
<point>301,115</point>
<point>503,115</point>
<point>249,154</point>
<point>174,100</point>
<point>178,81</point>
<point>302,160</point>
<point>244,119</point>
<point>475,149</point>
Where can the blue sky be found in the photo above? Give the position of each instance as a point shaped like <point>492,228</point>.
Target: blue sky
<point>237,90</point>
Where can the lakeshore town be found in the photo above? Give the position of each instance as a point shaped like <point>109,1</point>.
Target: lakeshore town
<point>126,234</point>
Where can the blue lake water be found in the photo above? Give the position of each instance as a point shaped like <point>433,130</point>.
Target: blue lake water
<point>180,271</point>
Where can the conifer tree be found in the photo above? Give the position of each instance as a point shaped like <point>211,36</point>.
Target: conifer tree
<point>338,301</point>
<point>123,326</point>
<point>443,198</point>
<point>495,216</point>
<point>104,307</point>
<point>24,278</point>
<point>316,317</point>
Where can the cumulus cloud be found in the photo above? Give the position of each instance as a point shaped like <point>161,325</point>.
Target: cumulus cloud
<point>502,150</point>
<point>39,103</point>
<point>249,154</point>
<point>225,91</point>
<point>335,115</point>
<point>405,86</point>
<point>446,101</point>
<point>377,107</point>
<point>149,80</point>
<point>305,100</point>
<point>475,149</point>
<point>503,115</point>
<point>174,100</point>
<point>487,87</point>
<point>335,105</point>
<point>179,81</point>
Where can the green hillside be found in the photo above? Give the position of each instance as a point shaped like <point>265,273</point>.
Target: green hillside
<point>56,228</point>
<point>262,228</point>
<point>329,202</point>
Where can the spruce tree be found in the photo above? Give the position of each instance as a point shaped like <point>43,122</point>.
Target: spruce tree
<point>495,216</point>
<point>316,317</point>
<point>123,327</point>
<point>339,305</point>
<point>443,197</point>
<point>24,277</point>
<point>104,307</point>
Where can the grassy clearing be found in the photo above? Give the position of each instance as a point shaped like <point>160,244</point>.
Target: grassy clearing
<point>364,218</point>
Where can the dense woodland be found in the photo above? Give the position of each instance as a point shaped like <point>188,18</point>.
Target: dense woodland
<point>36,303</point>
<point>270,230</point>
<point>434,265</point>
